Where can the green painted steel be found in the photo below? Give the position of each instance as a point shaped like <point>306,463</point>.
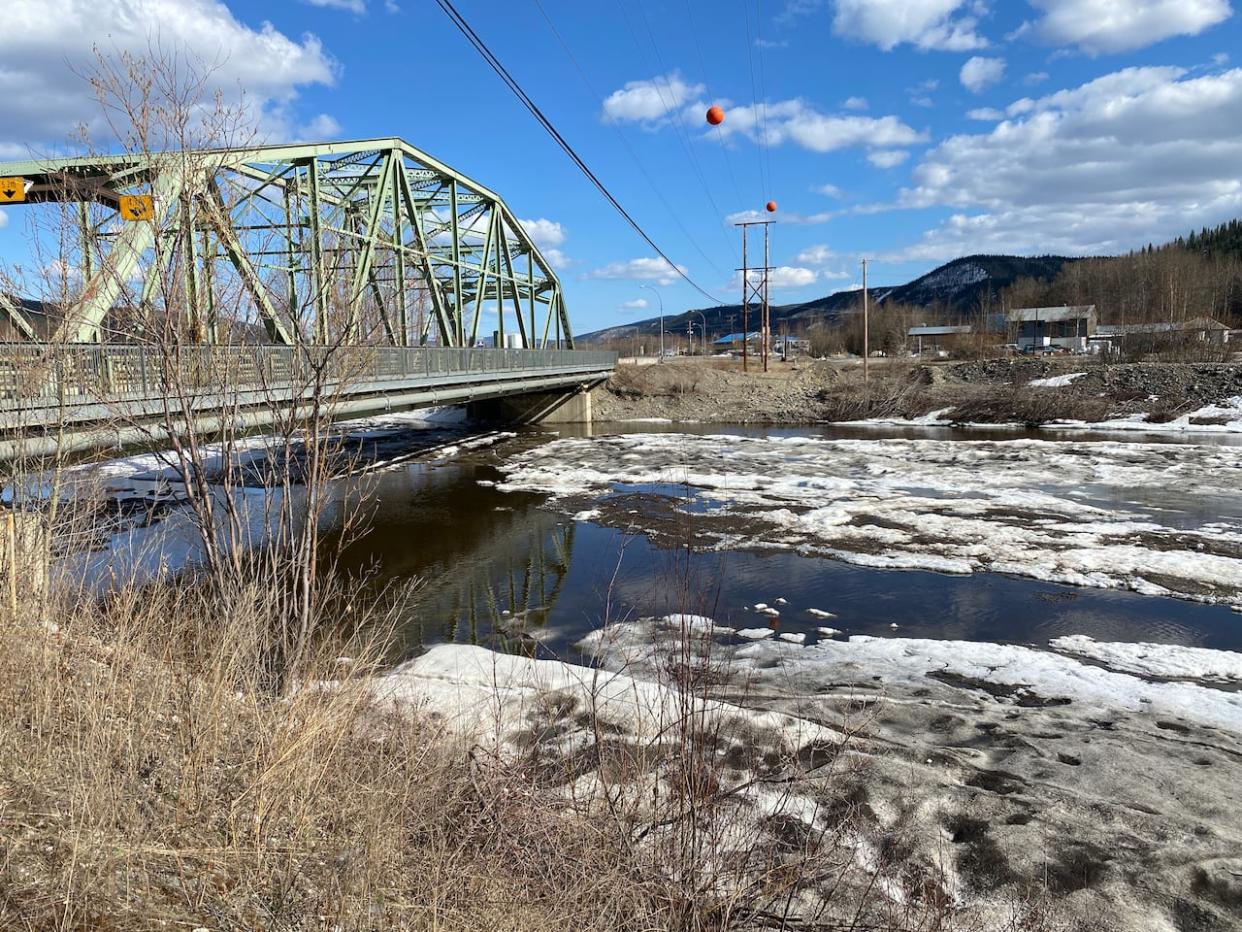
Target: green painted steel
<point>370,241</point>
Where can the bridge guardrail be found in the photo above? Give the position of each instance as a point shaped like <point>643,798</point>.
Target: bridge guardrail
<point>39,375</point>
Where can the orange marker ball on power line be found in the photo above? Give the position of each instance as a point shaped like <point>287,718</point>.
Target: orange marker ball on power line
<point>715,116</point>
<point>771,207</point>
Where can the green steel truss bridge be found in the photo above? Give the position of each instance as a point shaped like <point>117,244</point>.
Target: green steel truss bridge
<point>274,254</point>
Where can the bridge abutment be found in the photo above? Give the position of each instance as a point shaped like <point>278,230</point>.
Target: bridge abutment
<point>554,407</point>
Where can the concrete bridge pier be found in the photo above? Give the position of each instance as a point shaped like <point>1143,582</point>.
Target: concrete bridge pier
<point>566,406</point>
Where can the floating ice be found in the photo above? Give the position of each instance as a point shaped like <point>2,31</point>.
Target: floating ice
<point>1106,515</point>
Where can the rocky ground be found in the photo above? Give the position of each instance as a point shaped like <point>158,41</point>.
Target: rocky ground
<point>986,391</point>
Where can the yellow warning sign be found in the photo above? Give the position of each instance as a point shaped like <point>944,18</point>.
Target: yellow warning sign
<point>12,190</point>
<point>137,206</point>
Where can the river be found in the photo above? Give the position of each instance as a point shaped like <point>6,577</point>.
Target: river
<point>514,567</point>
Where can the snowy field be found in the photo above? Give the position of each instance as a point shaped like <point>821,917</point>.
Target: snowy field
<point>1159,519</point>
<point>1022,786</point>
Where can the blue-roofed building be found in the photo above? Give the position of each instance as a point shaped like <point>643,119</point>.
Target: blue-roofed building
<point>736,339</point>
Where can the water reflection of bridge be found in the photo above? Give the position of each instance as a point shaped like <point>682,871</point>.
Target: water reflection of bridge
<point>492,564</point>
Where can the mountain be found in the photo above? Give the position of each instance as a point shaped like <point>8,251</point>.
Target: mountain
<point>958,287</point>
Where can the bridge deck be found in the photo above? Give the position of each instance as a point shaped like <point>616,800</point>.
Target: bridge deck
<point>80,386</point>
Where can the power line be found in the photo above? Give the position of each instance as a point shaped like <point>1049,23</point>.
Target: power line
<point>481,47</point>
<point>621,135</point>
<point>679,123</point>
<point>720,138</point>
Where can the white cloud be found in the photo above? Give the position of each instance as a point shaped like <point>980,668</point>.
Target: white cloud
<point>986,115</point>
<point>4,219</point>
<point>1107,26</point>
<point>546,234</point>
<point>350,6</point>
<point>887,158</point>
<point>927,24</point>
<point>829,190</point>
<point>638,304</point>
<point>855,103</point>
<point>1035,78</point>
<point>797,122</point>
<point>650,101</point>
<point>48,44</point>
<point>980,73</point>
<point>817,255</point>
<point>783,276</point>
<point>920,94</point>
<point>649,270</point>
<point>319,129</point>
<point>1132,157</point>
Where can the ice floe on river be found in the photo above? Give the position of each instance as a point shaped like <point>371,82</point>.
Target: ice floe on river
<point>1159,519</point>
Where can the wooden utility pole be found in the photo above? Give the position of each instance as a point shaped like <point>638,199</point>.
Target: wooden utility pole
<point>745,303</point>
<point>759,292</point>
<point>767,318</point>
<point>866,324</point>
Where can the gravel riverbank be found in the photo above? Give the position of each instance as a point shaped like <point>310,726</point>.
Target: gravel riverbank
<point>1031,392</point>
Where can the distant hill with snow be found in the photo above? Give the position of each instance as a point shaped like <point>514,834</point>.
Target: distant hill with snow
<point>960,286</point>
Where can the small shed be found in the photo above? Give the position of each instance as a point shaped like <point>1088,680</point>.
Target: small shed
<point>930,338</point>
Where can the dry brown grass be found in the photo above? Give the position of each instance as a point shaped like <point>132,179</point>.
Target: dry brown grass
<point>150,778</point>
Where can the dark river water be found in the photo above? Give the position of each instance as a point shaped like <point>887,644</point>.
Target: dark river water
<point>505,569</point>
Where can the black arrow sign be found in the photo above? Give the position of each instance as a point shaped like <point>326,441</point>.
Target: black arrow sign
<point>9,192</point>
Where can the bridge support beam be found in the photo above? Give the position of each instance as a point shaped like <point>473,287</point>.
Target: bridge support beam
<point>562,406</point>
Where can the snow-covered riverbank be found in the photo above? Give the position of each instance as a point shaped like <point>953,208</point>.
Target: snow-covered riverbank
<point>1007,779</point>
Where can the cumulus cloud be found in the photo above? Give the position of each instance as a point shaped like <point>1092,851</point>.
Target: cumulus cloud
<point>640,270</point>
<point>1135,156</point>
<point>817,255</point>
<point>546,234</point>
<point>783,276</point>
<point>797,122</point>
<point>49,43</point>
<point>320,128</point>
<point>855,103</point>
<point>986,115</point>
<point>979,73</point>
<point>638,304</point>
<point>829,190</point>
<point>1106,26</point>
<point>946,25</point>
<point>889,158</point>
<point>650,101</point>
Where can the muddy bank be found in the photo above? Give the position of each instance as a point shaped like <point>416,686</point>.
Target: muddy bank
<point>1031,392</point>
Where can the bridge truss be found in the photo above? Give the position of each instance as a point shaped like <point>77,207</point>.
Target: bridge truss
<point>371,241</point>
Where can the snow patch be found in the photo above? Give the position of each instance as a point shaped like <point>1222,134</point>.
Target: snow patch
<point>1056,381</point>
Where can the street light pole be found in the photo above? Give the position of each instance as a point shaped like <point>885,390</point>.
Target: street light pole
<point>661,300</point>
<point>704,319</point>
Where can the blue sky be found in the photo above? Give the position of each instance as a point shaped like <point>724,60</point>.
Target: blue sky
<point>909,131</point>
